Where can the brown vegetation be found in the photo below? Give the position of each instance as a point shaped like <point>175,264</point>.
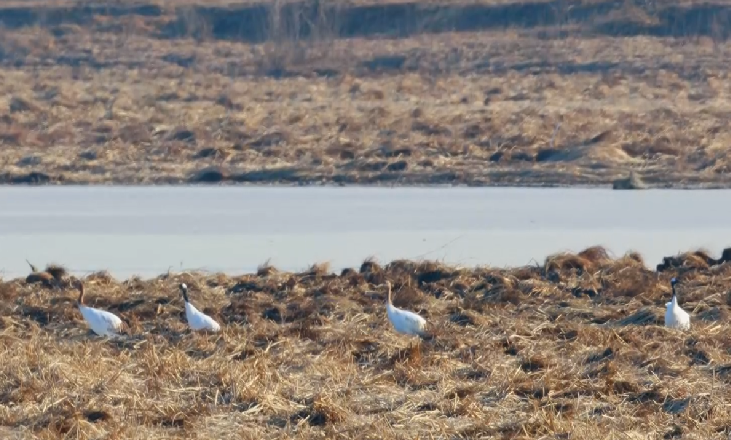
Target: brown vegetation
<point>574,348</point>
<point>482,92</point>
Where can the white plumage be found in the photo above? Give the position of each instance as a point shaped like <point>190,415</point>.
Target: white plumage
<point>103,323</point>
<point>404,321</point>
<point>675,316</point>
<point>197,320</point>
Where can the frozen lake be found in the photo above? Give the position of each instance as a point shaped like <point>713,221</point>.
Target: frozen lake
<point>148,230</point>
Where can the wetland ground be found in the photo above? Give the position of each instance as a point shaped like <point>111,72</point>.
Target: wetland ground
<point>570,348</point>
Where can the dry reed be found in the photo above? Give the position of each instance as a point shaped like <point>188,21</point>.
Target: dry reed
<point>574,349</point>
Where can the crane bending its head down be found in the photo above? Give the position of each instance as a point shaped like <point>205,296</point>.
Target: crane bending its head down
<point>404,321</point>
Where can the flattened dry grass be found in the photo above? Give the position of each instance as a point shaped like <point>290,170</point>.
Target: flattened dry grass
<point>574,348</point>
<point>172,93</point>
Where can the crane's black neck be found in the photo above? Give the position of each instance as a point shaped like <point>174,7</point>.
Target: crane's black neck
<point>185,293</point>
<point>675,296</point>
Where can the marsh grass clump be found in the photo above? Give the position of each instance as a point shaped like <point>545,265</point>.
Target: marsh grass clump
<point>559,267</point>
<point>633,181</point>
<point>266,269</point>
<point>369,266</point>
<point>101,277</point>
<point>57,271</point>
<point>597,255</point>
<point>53,276</point>
<point>699,258</point>
<point>43,278</point>
<point>518,353</point>
<point>319,270</point>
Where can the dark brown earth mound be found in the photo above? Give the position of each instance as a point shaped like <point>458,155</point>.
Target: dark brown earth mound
<point>575,348</point>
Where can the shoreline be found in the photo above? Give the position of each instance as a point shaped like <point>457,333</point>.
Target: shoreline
<point>591,256</point>
<point>669,185</point>
<point>21,181</point>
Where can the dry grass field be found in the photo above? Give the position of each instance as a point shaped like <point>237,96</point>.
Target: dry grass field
<point>571,349</point>
<point>478,92</point>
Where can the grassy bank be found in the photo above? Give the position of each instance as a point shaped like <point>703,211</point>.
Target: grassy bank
<point>370,92</point>
<point>574,348</point>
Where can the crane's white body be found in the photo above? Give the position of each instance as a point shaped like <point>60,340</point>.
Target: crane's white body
<point>197,320</point>
<point>675,316</point>
<point>404,321</point>
<point>101,322</point>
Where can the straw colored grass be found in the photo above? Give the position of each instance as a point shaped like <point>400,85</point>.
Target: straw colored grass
<point>571,349</point>
<point>165,92</point>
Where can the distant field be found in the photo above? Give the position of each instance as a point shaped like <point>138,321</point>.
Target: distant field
<point>370,92</point>
<point>218,3</point>
<point>574,348</point>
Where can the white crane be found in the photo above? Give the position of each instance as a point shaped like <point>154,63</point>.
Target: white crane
<point>103,323</point>
<point>197,320</point>
<point>675,316</point>
<point>404,321</point>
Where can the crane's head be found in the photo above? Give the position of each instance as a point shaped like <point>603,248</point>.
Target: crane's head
<point>673,281</point>
<point>184,291</point>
